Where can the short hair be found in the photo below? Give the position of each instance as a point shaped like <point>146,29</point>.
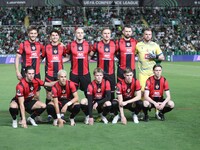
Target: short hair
<point>126,26</point>
<point>79,28</point>
<point>147,29</point>
<point>29,68</point>
<point>128,70</point>
<point>60,72</point>
<point>32,28</point>
<point>98,70</point>
<point>56,31</point>
<point>157,65</point>
<point>106,28</point>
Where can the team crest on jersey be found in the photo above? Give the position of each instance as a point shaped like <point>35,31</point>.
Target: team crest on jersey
<point>55,51</point>
<point>157,86</point>
<point>99,90</point>
<point>128,90</point>
<point>80,48</point>
<point>106,49</point>
<point>63,91</point>
<point>128,44</point>
<point>31,88</point>
<point>33,48</point>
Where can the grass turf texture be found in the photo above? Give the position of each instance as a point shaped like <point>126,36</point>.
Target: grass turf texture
<point>180,131</point>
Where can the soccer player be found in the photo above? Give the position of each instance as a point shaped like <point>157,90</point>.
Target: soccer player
<point>155,87</point>
<point>79,51</point>
<point>24,99</point>
<point>148,52</point>
<point>106,50</point>
<point>53,54</point>
<point>98,98</point>
<point>65,98</point>
<point>29,52</point>
<point>126,52</point>
<point>129,96</point>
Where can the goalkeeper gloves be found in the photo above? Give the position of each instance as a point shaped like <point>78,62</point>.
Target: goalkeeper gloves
<point>152,55</point>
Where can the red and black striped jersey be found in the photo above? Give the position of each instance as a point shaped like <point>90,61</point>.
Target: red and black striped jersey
<point>98,91</point>
<point>127,90</point>
<point>156,87</point>
<point>54,61</point>
<point>63,92</point>
<point>79,57</point>
<point>28,89</point>
<point>126,53</point>
<point>30,53</point>
<point>105,56</point>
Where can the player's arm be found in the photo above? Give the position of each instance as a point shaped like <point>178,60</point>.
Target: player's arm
<point>17,60</point>
<point>148,98</point>
<point>56,106</point>
<point>22,110</point>
<point>121,108</point>
<point>49,84</point>
<point>73,100</point>
<point>167,99</point>
<point>137,97</point>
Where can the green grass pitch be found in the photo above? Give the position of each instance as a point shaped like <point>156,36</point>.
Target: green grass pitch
<point>180,131</point>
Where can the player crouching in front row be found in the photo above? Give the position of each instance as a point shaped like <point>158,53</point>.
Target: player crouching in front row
<point>153,95</point>
<point>98,98</point>
<point>65,98</point>
<point>24,100</point>
<point>129,96</point>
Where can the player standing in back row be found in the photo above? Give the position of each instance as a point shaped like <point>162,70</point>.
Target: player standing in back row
<point>79,52</point>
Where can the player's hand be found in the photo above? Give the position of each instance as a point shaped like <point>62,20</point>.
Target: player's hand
<point>95,106</point>
<point>64,109</point>
<point>123,120</point>
<point>91,121</point>
<point>19,76</point>
<point>152,55</point>
<point>161,106</point>
<point>156,105</point>
<point>61,122</point>
<point>124,103</point>
<point>23,124</point>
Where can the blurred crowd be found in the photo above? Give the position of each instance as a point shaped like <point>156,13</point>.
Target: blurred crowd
<point>175,29</point>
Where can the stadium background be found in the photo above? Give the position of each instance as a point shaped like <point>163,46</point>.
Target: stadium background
<point>179,131</point>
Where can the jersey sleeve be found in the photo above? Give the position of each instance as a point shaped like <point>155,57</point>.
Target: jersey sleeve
<point>158,50</point>
<point>64,51</point>
<point>119,89</point>
<point>54,92</point>
<point>137,87</point>
<point>43,52</point>
<point>19,91</point>
<point>147,86</point>
<point>108,88</point>
<point>20,49</point>
<point>40,82</point>
<point>89,90</point>
<point>166,85</point>
<point>72,87</point>
<point>94,47</point>
<point>68,48</point>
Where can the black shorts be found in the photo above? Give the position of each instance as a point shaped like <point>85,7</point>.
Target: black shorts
<point>49,79</point>
<point>120,74</point>
<point>28,104</point>
<point>81,81</point>
<point>63,102</point>
<point>99,107</point>
<point>111,79</point>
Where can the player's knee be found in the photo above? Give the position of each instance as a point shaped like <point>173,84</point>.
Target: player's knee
<point>14,105</point>
<point>43,105</point>
<point>171,104</point>
<point>107,103</point>
<point>84,101</point>
<point>146,103</point>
